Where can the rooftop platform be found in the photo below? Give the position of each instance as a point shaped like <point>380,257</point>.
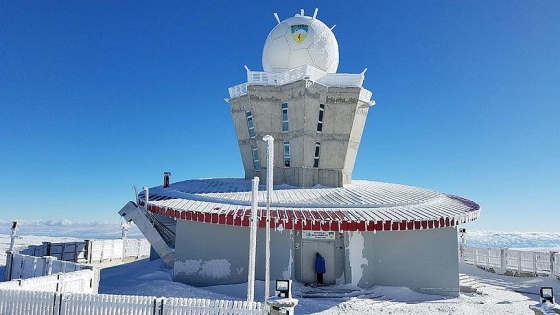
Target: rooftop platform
<point>304,72</point>
<point>360,206</point>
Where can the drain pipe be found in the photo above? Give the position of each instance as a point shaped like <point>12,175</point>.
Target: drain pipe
<point>147,190</point>
<point>269,183</point>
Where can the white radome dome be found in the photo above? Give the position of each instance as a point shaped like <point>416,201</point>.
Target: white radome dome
<point>298,41</point>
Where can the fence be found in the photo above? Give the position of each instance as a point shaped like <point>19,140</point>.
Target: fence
<point>19,302</point>
<point>78,281</point>
<point>20,266</point>
<point>303,72</point>
<point>514,262</point>
<point>92,251</point>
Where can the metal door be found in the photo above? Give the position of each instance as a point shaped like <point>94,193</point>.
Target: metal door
<point>308,250</point>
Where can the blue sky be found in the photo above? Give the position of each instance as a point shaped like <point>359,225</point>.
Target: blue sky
<point>98,96</point>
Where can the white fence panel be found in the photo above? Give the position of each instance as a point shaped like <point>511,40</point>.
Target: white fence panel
<point>136,248</point>
<point>17,302</point>
<point>93,304</point>
<point>24,267</point>
<point>42,284</point>
<point>66,266</point>
<point>78,282</point>
<point>179,306</point>
<point>83,281</point>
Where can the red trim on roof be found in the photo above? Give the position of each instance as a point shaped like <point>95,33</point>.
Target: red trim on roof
<point>305,219</point>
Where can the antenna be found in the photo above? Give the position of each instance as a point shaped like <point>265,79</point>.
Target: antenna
<point>315,13</point>
<point>277,18</point>
<point>332,28</point>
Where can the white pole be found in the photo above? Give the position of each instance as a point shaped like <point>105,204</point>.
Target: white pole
<point>13,236</point>
<point>253,242</point>
<point>269,183</point>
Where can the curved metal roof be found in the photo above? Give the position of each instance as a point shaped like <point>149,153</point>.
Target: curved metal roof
<point>360,206</point>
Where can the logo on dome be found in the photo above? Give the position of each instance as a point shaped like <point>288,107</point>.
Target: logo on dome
<point>299,32</point>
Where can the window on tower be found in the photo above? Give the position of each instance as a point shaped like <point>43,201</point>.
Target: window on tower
<point>285,117</point>
<point>320,122</point>
<point>250,124</point>
<point>317,150</point>
<point>256,160</point>
<point>287,153</point>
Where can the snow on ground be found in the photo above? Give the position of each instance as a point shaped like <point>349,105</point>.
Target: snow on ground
<point>491,293</point>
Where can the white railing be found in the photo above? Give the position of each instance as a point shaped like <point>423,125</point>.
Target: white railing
<point>24,267</point>
<point>516,262</point>
<point>92,251</point>
<point>19,302</point>
<point>78,281</point>
<point>304,72</point>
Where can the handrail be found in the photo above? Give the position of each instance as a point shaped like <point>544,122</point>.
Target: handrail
<point>303,72</point>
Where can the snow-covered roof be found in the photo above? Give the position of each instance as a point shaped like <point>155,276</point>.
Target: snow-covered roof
<point>360,206</point>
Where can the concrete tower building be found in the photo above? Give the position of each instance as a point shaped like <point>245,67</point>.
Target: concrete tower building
<point>369,233</point>
<point>315,115</point>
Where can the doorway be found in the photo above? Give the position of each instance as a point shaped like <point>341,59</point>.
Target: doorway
<point>308,250</point>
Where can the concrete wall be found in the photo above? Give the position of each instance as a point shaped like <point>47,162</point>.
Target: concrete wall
<point>343,122</point>
<point>211,254</point>
<point>423,260</point>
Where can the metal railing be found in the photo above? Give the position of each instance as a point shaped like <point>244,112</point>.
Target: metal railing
<point>511,261</point>
<point>92,251</point>
<point>304,72</point>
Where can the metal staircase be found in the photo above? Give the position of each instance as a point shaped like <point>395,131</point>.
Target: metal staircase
<point>158,238</point>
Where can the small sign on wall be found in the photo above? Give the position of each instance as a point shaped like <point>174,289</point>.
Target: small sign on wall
<point>318,235</point>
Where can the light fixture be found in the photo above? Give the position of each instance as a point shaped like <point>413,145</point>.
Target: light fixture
<point>284,288</point>
<point>547,295</point>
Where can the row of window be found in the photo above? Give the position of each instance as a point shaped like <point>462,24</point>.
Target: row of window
<point>285,128</point>
<point>257,161</point>
<point>285,125</point>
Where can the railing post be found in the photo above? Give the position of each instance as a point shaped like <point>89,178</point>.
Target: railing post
<point>534,263</point>
<point>475,258</point>
<point>49,265</point>
<point>487,258</point>
<point>552,269</point>
<point>503,260</point>
<point>519,261</point>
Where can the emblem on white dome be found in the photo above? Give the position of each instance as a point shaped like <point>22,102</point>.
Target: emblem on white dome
<point>300,40</point>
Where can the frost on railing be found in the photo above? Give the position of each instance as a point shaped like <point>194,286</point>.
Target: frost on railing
<point>78,281</point>
<point>25,267</point>
<point>514,262</point>
<point>92,251</point>
<point>556,265</point>
<point>19,302</point>
<point>304,72</point>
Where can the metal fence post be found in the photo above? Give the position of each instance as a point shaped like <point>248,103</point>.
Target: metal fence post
<point>9,264</point>
<point>49,265</point>
<point>552,269</point>
<point>534,263</point>
<point>503,260</point>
